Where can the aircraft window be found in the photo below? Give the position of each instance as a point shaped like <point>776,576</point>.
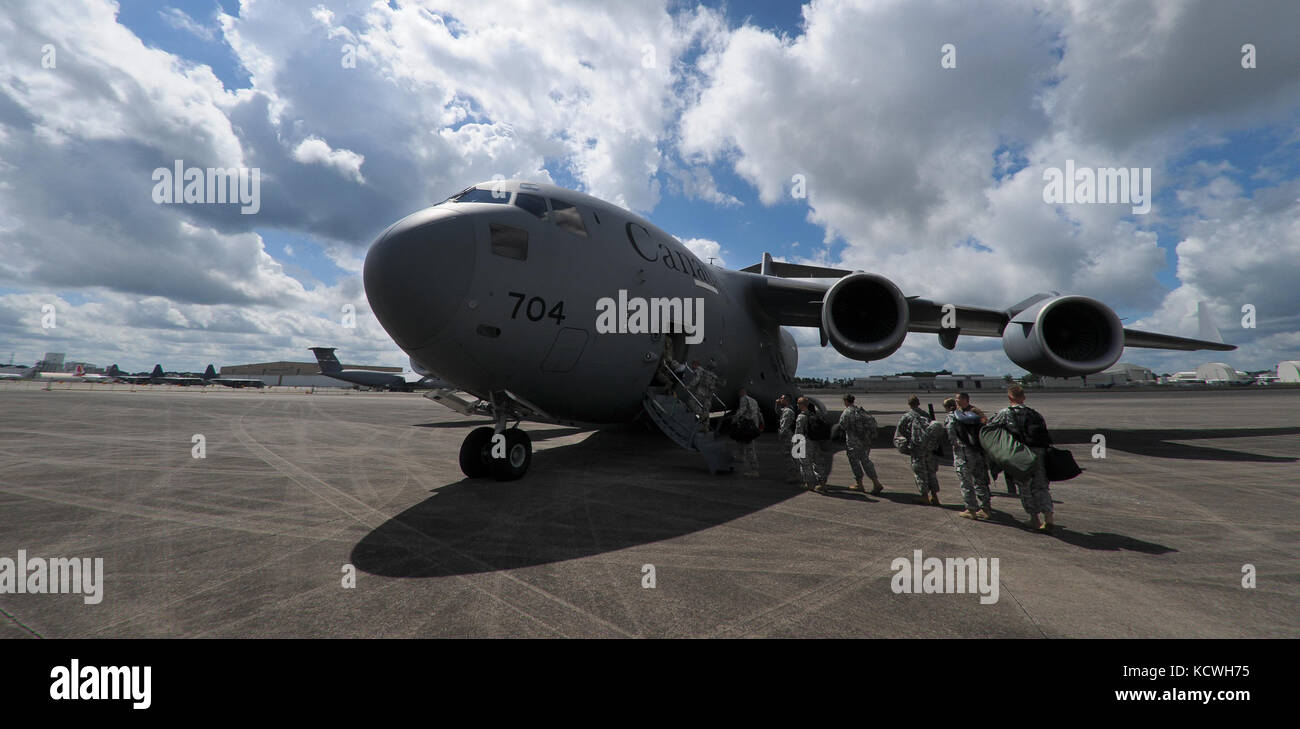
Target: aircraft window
<point>509,242</point>
<point>483,195</point>
<point>567,217</point>
<point>534,204</point>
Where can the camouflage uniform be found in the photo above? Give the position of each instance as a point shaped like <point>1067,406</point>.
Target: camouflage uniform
<point>972,470</point>
<point>823,458</point>
<point>925,467</point>
<point>706,383</point>
<point>785,433</point>
<point>807,467</point>
<point>747,411</point>
<point>1035,491</point>
<point>859,431</point>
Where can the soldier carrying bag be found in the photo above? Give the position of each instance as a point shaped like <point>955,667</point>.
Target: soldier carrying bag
<point>903,445</point>
<point>1060,465</point>
<point>818,427</point>
<point>1007,452</point>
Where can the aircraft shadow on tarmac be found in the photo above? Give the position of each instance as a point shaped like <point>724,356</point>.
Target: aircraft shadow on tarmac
<point>616,489</point>
<point>578,501</point>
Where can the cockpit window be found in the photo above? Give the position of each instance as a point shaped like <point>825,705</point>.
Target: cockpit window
<point>567,217</point>
<point>487,195</point>
<point>534,204</point>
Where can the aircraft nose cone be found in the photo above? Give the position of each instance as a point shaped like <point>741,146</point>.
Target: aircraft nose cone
<point>417,274</point>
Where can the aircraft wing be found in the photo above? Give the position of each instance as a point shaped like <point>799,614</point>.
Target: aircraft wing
<point>1149,340</point>
<point>785,294</point>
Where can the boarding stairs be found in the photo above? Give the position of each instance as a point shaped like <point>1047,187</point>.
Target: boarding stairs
<point>678,421</point>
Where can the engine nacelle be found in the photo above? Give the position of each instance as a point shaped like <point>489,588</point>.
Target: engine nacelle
<point>1066,336</point>
<point>865,316</point>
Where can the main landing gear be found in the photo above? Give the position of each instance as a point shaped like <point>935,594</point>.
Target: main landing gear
<point>505,459</point>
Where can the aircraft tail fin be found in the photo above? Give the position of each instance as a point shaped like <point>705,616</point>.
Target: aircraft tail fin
<point>769,267</point>
<point>112,371</point>
<point>1206,329</point>
<point>80,371</point>
<point>210,373</point>
<point>326,359</point>
<point>157,371</point>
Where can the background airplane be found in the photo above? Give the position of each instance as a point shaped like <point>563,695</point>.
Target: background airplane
<point>210,377</point>
<point>496,289</point>
<point>331,367</point>
<point>156,377</point>
<point>77,375</point>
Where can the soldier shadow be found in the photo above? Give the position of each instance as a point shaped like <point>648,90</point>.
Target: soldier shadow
<point>847,494</point>
<point>1155,442</point>
<point>616,489</point>
<point>1108,542</point>
<point>1099,541</point>
<point>1159,443</point>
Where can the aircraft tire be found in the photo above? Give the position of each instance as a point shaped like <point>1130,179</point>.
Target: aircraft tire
<point>475,456</point>
<point>519,455</point>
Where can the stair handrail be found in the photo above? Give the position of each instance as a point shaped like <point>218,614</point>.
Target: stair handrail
<point>684,387</point>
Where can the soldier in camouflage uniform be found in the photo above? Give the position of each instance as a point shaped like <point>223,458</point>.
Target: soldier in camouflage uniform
<point>785,433</point>
<point>859,430</point>
<point>807,465</point>
<point>925,467</point>
<point>747,411</point>
<point>968,462</point>
<point>1024,423</point>
<point>706,383</point>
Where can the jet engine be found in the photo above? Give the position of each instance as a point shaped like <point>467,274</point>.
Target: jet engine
<point>1065,336</point>
<point>865,316</point>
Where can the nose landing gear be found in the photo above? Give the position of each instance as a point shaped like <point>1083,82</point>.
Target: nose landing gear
<point>505,458</point>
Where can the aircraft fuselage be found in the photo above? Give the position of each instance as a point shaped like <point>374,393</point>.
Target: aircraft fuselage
<point>496,298</point>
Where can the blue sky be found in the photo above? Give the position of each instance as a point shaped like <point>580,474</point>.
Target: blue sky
<point>930,176</point>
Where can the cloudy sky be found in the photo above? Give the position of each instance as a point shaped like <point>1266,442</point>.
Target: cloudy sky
<point>699,116</point>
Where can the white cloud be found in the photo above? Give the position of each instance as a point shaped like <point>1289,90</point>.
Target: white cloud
<point>907,162</point>
<point>314,150</point>
<point>709,251</point>
<point>179,20</point>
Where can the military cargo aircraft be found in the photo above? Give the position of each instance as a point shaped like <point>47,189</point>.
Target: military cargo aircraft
<point>506,289</point>
<point>210,377</point>
<point>400,381</point>
<point>156,377</point>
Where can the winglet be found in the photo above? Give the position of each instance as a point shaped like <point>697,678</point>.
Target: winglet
<point>1205,328</point>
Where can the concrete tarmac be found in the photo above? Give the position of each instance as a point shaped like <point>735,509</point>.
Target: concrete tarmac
<point>296,491</point>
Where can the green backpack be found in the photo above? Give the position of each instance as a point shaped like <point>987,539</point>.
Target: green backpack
<point>1006,452</point>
